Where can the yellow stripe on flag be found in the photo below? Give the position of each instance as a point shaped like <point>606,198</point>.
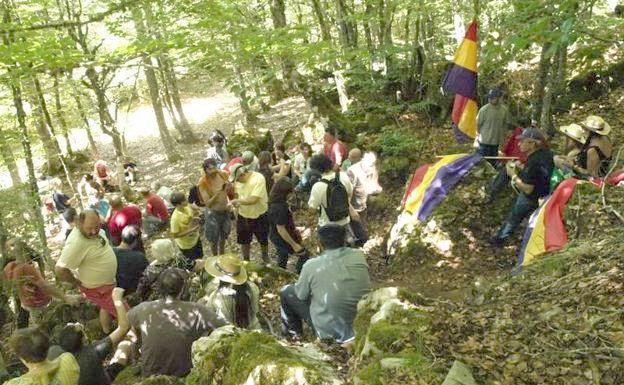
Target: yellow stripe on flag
<point>466,55</point>
<point>536,245</point>
<point>412,205</point>
<point>468,121</point>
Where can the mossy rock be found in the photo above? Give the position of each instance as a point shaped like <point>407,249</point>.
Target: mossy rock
<point>389,347</point>
<point>231,356</point>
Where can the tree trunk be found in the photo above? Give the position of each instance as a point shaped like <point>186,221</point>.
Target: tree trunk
<point>85,120</point>
<point>9,160</point>
<point>542,79</point>
<point>107,124</point>
<point>60,115</point>
<point>278,13</point>
<point>368,16</point>
<point>546,123</point>
<point>248,116</point>
<point>322,19</point>
<point>348,36</point>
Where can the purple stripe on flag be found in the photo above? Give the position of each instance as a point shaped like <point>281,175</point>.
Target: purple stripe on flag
<point>460,135</point>
<point>446,178</point>
<point>528,232</point>
<point>461,81</point>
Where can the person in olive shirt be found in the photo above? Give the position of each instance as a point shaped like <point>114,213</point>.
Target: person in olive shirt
<point>185,228</point>
<point>168,327</point>
<point>493,125</point>
<point>532,181</point>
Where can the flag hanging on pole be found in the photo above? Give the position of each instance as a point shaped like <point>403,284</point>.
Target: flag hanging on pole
<point>461,79</point>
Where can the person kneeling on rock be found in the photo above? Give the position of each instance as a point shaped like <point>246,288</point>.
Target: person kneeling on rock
<point>328,289</point>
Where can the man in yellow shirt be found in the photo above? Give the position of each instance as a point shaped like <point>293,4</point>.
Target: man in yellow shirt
<point>252,205</point>
<point>185,228</point>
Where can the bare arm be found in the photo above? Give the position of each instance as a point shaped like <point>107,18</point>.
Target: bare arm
<point>65,275</point>
<point>123,325</point>
<point>281,230</point>
<point>55,292</point>
<point>524,187</point>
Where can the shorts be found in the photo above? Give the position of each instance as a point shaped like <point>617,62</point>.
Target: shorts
<point>195,252</point>
<point>101,297</point>
<point>246,228</point>
<point>217,225</point>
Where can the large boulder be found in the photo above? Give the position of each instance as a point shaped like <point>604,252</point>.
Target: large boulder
<point>232,356</point>
<point>389,331</point>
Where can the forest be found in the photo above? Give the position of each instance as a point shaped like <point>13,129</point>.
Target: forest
<point>150,82</point>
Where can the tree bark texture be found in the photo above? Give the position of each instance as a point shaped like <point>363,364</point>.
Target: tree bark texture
<point>60,116</point>
<point>321,16</point>
<point>9,159</point>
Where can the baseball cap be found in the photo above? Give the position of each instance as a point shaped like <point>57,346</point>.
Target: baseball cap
<point>531,133</point>
<point>236,171</point>
<point>494,93</point>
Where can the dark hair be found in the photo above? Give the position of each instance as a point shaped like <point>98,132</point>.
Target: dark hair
<point>236,154</point>
<point>70,214</point>
<point>264,158</point>
<point>209,162</point>
<point>306,145</point>
<point>280,190</point>
<point>242,303</point>
<point>280,146</point>
<point>30,344</point>
<point>89,177</point>
<point>194,197</point>
<point>171,282</point>
<point>332,236</point>
<point>83,214</point>
<point>70,338</point>
<point>130,234</point>
<point>321,162</point>
<point>177,198</point>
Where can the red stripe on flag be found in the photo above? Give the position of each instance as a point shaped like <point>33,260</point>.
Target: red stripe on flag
<point>471,32</point>
<point>417,179</point>
<point>458,107</point>
<point>556,235</point>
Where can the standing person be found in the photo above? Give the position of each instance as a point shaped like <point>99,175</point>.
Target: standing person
<point>493,125</point>
<point>334,149</point>
<point>91,357</point>
<point>130,262</point>
<point>281,162</point>
<point>331,195</point>
<point>88,252</point>
<point>185,229</point>
<point>301,163</point>
<point>328,289</point>
<point>532,181</point>
<point>231,296</point>
<point>122,216</point>
<point>31,347</point>
<point>213,191</point>
<point>250,160</point>
<point>283,233</point>
<point>265,168</point>
<point>358,178</point>
<point>169,326</point>
<point>34,292</point>
<point>156,213</point>
<point>252,204</point>
<point>217,151</point>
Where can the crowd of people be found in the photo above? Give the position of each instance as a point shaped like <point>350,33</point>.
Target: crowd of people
<point>135,262</point>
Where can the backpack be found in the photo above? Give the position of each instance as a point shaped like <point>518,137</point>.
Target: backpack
<point>337,199</point>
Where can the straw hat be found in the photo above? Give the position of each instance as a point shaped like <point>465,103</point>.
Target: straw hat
<point>227,268</point>
<point>575,132</point>
<point>162,251</point>
<point>596,124</point>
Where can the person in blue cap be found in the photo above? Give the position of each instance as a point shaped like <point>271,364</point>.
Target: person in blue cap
<point>531,180</point>
<point>493,125</point>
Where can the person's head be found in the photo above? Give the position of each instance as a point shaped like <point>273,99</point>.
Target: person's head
<point>331,236</point>
<point>531,140</point>
<point>30,345</point>
<point>89,177</point>
<point>355,155</point>
<point>239,173</point>
<point>72,337</point>
<point>16,248</point>
<point>321,163</point>
<point>596,125</point>
<point>130,235</point>
<point>237,154</point>
<point>156,185</point>
<point>162,251</point>
<point>116,202</point>
<point>306,149</point>
<point>330,135</point>
<point>248,157</point>
<point>264,159</point>
<point>70,215</point>
<point>56,184</point>
<point>576,136</point>
<point>231,273</point>
<point>281,189</point>
<point>210,166</point>
<point>494,96</point>
<point>216,140</point>
<point>144,190</point>
<point>178,199</point>
<point>89,223</point>
<point>171,282</point>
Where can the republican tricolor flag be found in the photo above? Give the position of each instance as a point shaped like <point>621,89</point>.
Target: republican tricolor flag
<point>462,80</point>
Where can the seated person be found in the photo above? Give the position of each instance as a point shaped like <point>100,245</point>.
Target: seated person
<point>91,357</point>
<point>168,327</point>
<point>70,216</point>
<point>61,200</point>
<point>510,149</point>
<point>103,175</point>
<point>231,296</point>
<point>595,157</point>
<point>576,138</point>
<point>162,255</point>
<point>131,262</point>
<point>31,347</point>
<point>130,172</point>
<point>92,190</point>
<point>156,216</point>
<point>184,228</point>
<point>165,193</point>
<point>328,289</point>
<point>122,215</point>
<point>532,182</point>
